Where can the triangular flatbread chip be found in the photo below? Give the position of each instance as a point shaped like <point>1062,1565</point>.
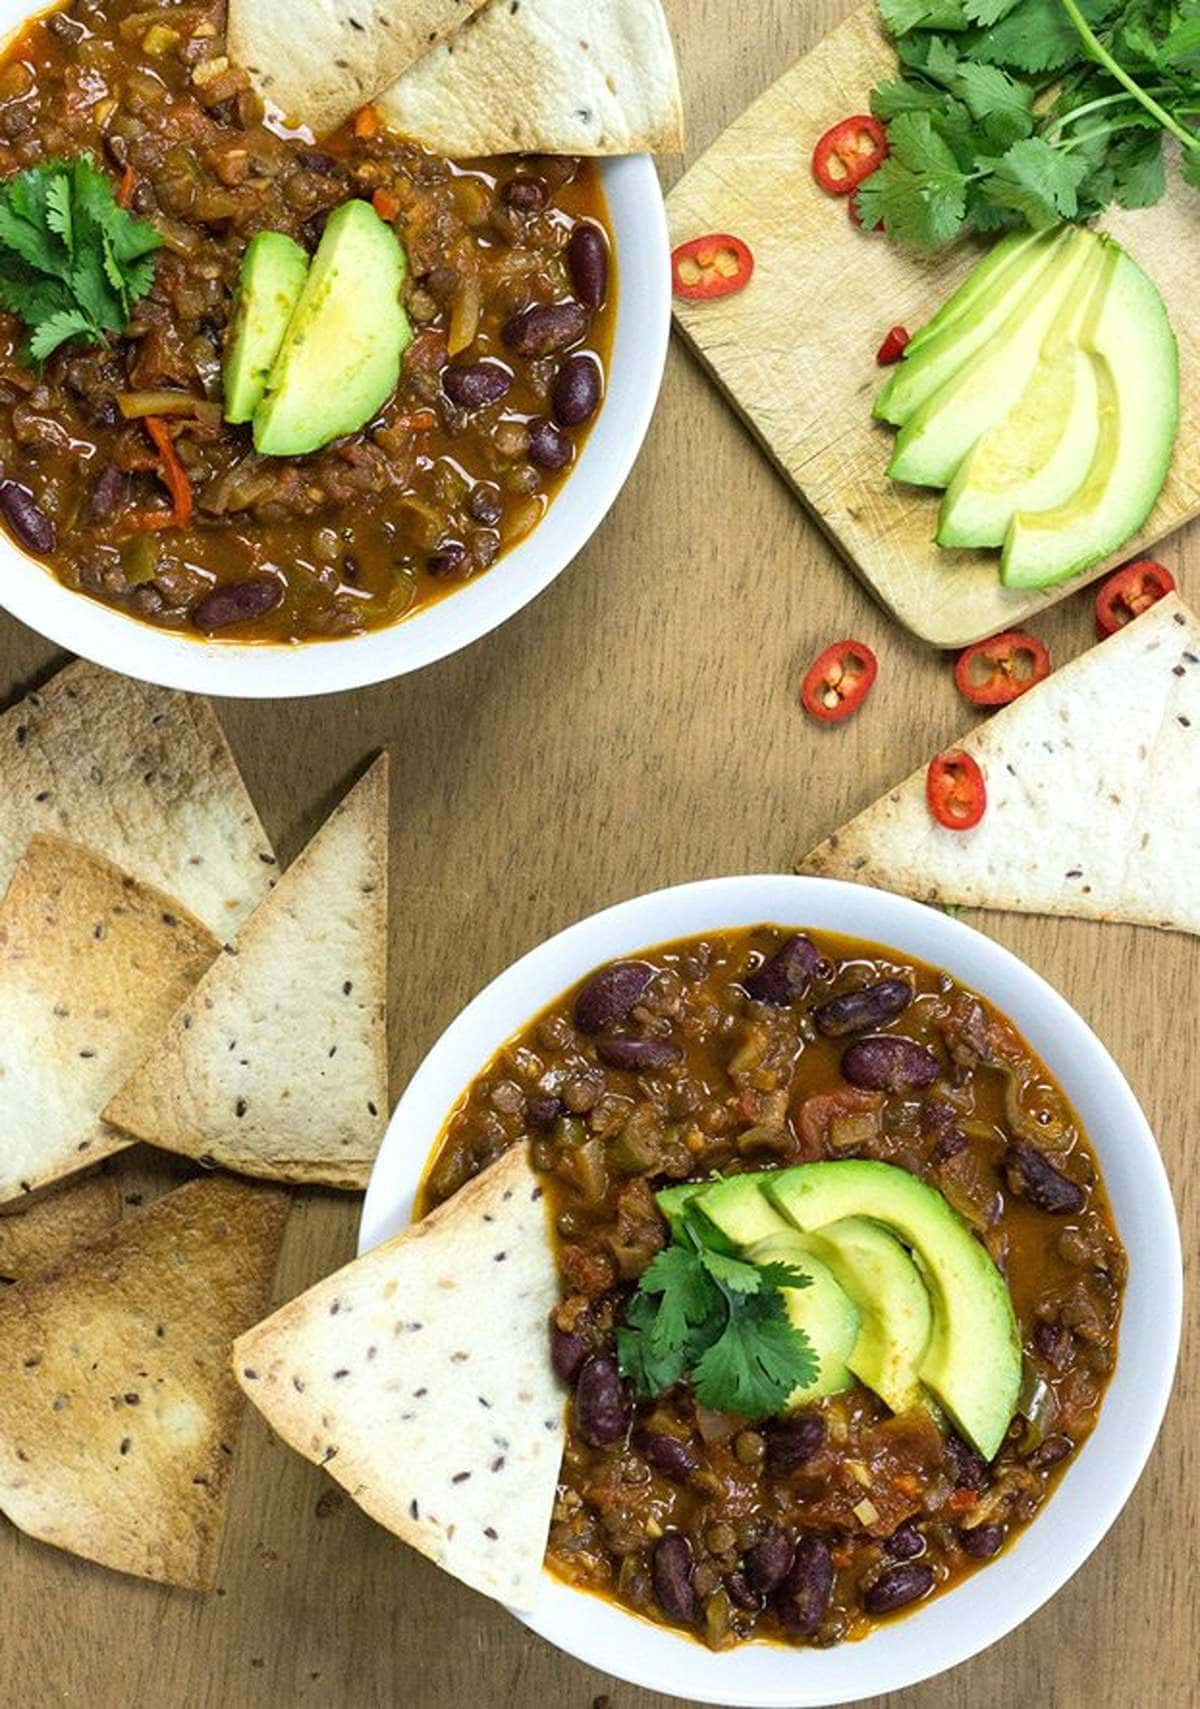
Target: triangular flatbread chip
<point>1093,781</point>
<point>35,1235</point>
<point>118,1415</point>
<point>276,1065</point>
<point>419,1377</point>
<point>142,775</point>
<point>93,964</point>
<point>596,77</point>
<point>320,61</point>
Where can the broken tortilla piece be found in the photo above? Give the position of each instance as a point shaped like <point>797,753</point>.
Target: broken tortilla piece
<point>118,1415</point>
<point>276,1065</point>
<point>419,1376</point>
<point>38,1233</point>
<point>92,965</point>
<point>1093,781</point>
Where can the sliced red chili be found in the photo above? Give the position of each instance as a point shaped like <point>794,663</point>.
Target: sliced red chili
<point>848,153</point>
<point>991,673</point>
<point>713,266</point>
<point>893,346</point>
<point>1128,592</point>
<point>955,790</point>
<point>839,681</point>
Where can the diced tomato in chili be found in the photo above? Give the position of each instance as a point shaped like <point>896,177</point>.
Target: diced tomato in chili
<point>955,790</point>
<point>385,205</point>
<point>838,681</point>
<point>717,265</point>
<point>1128,592</point>
<point>848,153</point>
<point>991,673</point>
<point>893,346</point>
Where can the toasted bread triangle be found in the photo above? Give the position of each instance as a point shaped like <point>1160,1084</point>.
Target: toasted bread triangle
<point>118,1414</point>
<point>276,1065</point>
<point>419,1376</point>
<point>1093,781</point>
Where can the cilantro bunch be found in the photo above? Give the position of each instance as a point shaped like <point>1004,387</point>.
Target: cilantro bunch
<point>1031,111</point>
<point>721,1323</point>
<point>72,263</point>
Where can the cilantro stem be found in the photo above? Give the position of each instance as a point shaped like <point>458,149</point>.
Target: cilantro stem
<point>1095,106</point>
<point>1097,131</point>
<point>1102,56</point>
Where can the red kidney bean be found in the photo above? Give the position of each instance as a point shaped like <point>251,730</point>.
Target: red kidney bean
<point>786,975</point>
<point>897,1587</point>
<point>610,994</point>
<point>768,1563</point>
<point>542,1113</point>
<point>448,559</point>
<point>474,385</point>
<point>673,1571</point>
<point>526,195</point>
<point>587,258</point>
<point>1050,1452</point>
<point>485,503</point>
<point>546,328</point>
<point>602,1409</point>
<point>741,1594</point>
<point>667,1454</point>
<point>237,602</point>
<point>1053,1342</point>
<point>112,484</point>
<point>575,394</point>
<point>549,447</point>
<point>889,1064</point>
<point>1034,1178</point>
<point>638,1055</point>
<point>967,1468</point>
<point>567,1353</point>
<point>26,518</point>
<point>982,1541</point>
<point>905,1542</point>
<point>871,1006</point>
<point>802,1600</point>
<point>952,1141</point>
<point>792,1441</point>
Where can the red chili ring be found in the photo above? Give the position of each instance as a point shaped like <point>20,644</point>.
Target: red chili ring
<point>955,790</point>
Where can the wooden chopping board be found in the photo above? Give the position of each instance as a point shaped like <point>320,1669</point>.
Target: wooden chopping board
<point>795,353</point>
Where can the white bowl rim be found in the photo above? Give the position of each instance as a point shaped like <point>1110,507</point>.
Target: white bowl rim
<point>30,592</point>
<point>1102,1476</point>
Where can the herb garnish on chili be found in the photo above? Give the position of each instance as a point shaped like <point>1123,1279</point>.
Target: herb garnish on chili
<point>1128,592</point>
<point>955,790</point>
<point>849,152</point>
<point>714,266</point>
<point>996,671</point>
<point>838,681</point>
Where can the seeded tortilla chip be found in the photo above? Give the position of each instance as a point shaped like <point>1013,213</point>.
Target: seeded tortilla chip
<point>35,1235</point>
<point>320,62</point>
<point>276,1065</point>
<point>142,775</point>
<point>1093,781</point>
<point>596,77</point>
<point>118,1415</point>
<point>93,964</point>
<point>419,1376</point>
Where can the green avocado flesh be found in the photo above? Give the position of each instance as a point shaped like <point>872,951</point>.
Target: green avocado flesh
<point>1044,398</point>
<point>272,277</point>
<point>826,1314</point>
<point>972,1362</point>
<point>340,357</point>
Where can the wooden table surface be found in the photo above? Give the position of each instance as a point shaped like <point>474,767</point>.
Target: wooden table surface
<point>636,727</point>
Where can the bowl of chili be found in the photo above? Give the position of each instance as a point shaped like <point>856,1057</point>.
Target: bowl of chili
<point>140,529</point>
<point>466,1102</point>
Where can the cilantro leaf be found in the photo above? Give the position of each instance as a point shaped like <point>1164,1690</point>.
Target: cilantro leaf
<point>675,1314</point>
<point>1190,168</point>
<point>988,11</point>
<point>916,144</point>
<point>1140,172</point>
<point>1039,181</point>
<point>55,330</point>
<point>758,1361</point>
<point>902,16</point>
<point>989,92</point>
<point>924,211</point>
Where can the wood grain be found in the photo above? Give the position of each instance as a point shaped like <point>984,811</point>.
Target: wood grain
<point>796,352</point>
<point>637,726</point>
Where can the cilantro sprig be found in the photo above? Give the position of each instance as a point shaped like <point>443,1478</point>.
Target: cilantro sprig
<point>719,1322</point>
<point>1030,111</point>
<point>72,263</point>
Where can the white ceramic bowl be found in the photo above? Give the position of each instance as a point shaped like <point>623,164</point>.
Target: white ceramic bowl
<point>1099,1480</point>
<point>262,671</point>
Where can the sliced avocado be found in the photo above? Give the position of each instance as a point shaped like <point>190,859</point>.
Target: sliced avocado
<point>935,439</point>
<point>736,1209</point>
<point>1003,258</point>
<point>826,1314</point>
<point>673,1202</point>
<point>340,358</point>
<point>1039,453</point>
<point>973,1360</point>
<point>873,1268</point>
<point>1136,360</point>
<point>936,359</point>
<point>272,277</point>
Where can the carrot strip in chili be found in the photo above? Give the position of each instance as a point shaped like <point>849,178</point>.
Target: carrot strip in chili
<point>385,204</point>
<point>175,478</point>
<point>366,122</point>
<point>126,187</point>
<point>419,421</point>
